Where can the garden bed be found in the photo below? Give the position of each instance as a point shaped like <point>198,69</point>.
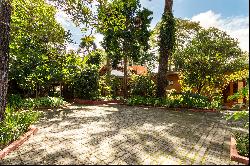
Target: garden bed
<point>234,153</point>
<point>179,109</point>
<point>95,102</point>
<point>15,144</point>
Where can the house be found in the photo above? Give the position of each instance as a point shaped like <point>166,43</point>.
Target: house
<point>139,70</point>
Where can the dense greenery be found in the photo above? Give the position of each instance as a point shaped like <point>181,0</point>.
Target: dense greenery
<point>184,100</point>
<point>110,86</point>
<point>16,102</point>
<point>242,144</point>
<point>142,86</point>
<point>15,124</point>
<point>206,60</point>
<point>86,83</point>
<point>37,45</point>
<point>125,27</point>
<point>95,57</point>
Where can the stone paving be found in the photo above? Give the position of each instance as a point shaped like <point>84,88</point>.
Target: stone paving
<point>119,134</point>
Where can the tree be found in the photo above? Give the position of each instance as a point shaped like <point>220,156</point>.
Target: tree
<point>87,44</point>
<point>185,30</point>
<point>37,45</point>
<point>125,29</point>
<point>208,58</point>
<point>5,15</point>
<point>166,45</point>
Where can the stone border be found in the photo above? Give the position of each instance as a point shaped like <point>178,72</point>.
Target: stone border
<point>95,102</point>
<point>234,154</point>
<point>14,145</point>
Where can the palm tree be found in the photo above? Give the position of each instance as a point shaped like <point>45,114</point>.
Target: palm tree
<point>5,16</point>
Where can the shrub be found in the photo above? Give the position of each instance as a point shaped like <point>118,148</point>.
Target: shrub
<point>94,58</point>
<point>109,86</point>
<point>142,86</point>
<point>15,124</point>
<point>16,102</point>
<point>184,100</point>
<point>242,144</point>
<point>140,100</point>
<point>86,83</point>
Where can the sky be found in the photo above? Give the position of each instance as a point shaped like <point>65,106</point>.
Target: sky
<point>231,16</point>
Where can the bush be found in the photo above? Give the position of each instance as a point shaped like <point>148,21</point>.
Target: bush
<point>15,124</point>
<point>94,58</point>
<point>142,86</point>
<point>140,100</point>
<point>86,83</point>
<point>16,102</point>
<point>184,100</point>
<point>189,100</point>
<point>109,86</point>
<point>242,144</point>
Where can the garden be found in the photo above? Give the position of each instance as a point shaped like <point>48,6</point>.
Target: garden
<point>38,73</point>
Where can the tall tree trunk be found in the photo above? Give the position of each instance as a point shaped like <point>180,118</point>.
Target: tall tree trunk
<point>5,16</point>
<point>125,78</point>
<point>166,47</point>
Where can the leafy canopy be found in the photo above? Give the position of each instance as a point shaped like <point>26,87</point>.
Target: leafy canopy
<point>207,58</point>
<point>125,28</point>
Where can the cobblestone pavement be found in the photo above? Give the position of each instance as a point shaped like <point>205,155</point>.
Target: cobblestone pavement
<point>119,134</point>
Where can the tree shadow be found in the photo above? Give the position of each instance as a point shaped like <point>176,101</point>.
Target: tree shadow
<point>119,134</point>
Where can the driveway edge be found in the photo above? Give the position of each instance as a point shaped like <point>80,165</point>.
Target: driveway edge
<point>14,145</point>
<point>234,154</point>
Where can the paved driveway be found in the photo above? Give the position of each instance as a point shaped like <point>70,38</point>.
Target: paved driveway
<point>118,134</point>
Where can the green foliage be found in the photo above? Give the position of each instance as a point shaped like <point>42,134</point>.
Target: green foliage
<point>37,48</point>
<point>185,100</point>
<point>242,144</point>
<point>16,102</point>
<point>110,86</point>
<point>125,27</point>
<point>241,116</point>
<point>218,52</point>
<point>95,57</point>
<point>15,124</point>
<point>88,44</point>
<point>80,12</point>
<point>148,101</point>
<point>142,86</point>
<point>167,34</point>
<point>86,83</point>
